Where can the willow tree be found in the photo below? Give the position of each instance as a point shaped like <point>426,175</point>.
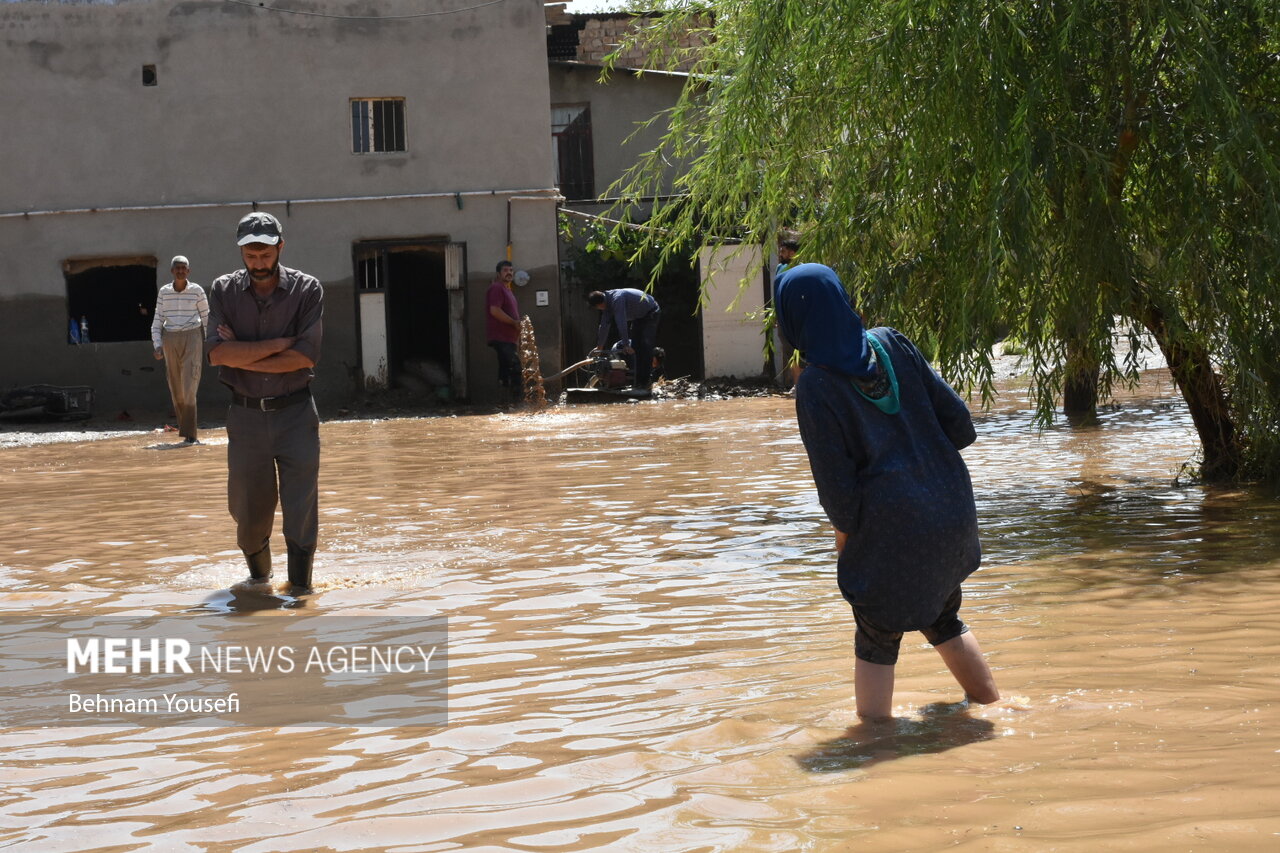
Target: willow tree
<point>1072,173</point>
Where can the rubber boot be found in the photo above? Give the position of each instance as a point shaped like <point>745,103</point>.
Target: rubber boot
<point>299,569</point>
<point>259,566</point>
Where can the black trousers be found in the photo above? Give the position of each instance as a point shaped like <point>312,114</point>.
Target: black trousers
<point>509,373</point>
<point>644,338</point>
<point>874,644</point>
<point>274,458</point>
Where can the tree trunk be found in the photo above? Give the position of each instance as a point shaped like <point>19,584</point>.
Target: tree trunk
<point>1080,387</point>
<point>1203,392</point>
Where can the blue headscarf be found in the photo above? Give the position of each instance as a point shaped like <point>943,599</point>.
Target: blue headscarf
<point>814,314</point>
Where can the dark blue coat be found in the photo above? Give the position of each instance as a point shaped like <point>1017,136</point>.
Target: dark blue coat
<point>896,484</point>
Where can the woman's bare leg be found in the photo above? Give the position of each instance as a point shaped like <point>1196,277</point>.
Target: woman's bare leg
<point>963,657</point>
<point>873,689</point>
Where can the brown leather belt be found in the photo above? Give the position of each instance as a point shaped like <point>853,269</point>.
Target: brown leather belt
<point>272,404</point>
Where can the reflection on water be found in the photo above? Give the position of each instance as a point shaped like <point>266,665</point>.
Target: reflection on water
<point>939,727</point>
<point>648,652</point>
<point>243,598</point>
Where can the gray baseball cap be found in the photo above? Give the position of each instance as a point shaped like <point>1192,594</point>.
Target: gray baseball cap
<point>258,227</point>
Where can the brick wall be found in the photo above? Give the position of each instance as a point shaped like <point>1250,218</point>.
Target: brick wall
<point>603,34</point>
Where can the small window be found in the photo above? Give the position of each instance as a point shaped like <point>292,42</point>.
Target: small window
<point>571,139</point>
<point>110,299</point>
<point>148,75</point>
<point>377,124</point>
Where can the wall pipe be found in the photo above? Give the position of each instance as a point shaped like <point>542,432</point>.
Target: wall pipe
<point>557,197</point>
<point>548,194</point>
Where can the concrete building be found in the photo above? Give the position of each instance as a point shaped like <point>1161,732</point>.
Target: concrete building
<point>406,148</point>
<point>600,130</point>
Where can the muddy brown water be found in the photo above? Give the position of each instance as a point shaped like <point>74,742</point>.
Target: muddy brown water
<point>648,652</point>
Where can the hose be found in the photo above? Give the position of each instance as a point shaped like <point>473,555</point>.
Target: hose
<point>568,369</point>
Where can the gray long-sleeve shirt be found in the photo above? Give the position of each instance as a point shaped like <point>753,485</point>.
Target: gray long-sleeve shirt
<point>295,309</point>
<point>621,306</point>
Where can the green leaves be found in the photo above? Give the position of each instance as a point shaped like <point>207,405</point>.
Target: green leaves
<point>1047,168</point>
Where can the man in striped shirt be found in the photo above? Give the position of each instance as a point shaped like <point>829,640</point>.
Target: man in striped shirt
<point>177,334</point>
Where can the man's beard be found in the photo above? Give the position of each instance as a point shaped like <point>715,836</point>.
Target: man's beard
<point>264,275</point>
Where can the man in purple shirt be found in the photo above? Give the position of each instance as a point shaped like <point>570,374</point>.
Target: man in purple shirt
<point>502,328</point>
<point>265,325</point>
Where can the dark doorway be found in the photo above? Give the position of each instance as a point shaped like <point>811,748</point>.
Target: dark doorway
<point>417,318</point>
<point>411,321</point>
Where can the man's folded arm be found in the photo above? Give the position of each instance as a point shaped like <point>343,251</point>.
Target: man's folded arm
<point>245,354</point>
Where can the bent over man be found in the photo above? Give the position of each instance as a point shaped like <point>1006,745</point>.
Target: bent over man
<point>635,315</point>
<point>265,324</point>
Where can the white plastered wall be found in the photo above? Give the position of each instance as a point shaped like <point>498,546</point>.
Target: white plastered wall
<point>732,328</point>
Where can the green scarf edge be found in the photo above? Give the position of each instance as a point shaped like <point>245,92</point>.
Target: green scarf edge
<point>889,403</point>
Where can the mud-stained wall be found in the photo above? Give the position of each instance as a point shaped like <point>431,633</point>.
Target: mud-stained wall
<point>248,98</point>
<point>533,249</point>
<point>251,105</point>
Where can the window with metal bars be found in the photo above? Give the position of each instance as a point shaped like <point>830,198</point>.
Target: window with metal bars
<point>377,125</point>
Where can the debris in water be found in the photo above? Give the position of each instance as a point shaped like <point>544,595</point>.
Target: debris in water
<point>684,388</point>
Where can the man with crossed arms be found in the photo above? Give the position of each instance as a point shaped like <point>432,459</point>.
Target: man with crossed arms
<point>265,325</point>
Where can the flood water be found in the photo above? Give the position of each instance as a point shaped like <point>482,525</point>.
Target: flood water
<point>648,652</point>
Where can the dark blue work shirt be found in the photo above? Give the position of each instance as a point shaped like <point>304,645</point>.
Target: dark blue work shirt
<point>622,306</point>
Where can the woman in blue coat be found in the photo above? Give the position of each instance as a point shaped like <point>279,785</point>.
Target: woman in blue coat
<point>884,433</point>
